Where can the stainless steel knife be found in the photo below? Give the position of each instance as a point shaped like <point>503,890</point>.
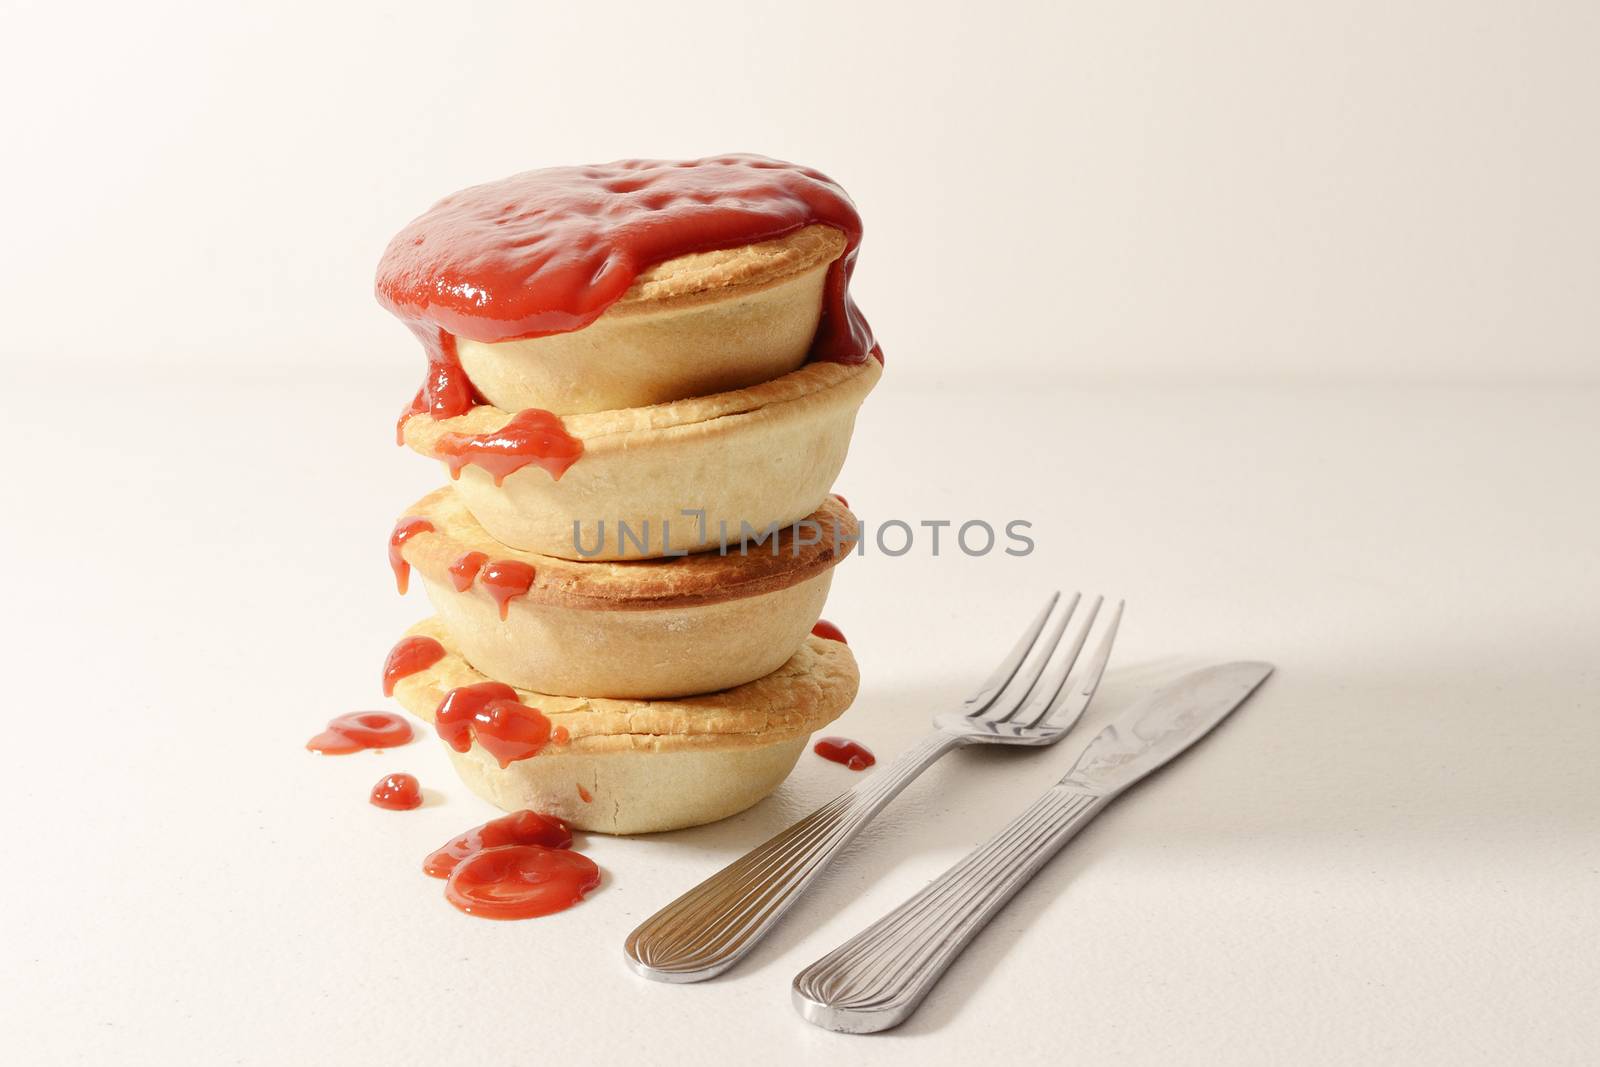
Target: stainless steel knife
<point>877,979</point>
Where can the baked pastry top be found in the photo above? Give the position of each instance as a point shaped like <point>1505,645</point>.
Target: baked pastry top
<point>727,272</point>
<point>601,431</point>
<point>548,251</point>
<point>644,584</point>
<point>810,690</point>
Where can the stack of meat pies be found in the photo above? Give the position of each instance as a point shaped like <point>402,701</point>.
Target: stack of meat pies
<point>643,378</point>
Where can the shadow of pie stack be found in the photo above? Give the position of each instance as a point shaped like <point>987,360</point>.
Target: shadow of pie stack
<point>642,380</point>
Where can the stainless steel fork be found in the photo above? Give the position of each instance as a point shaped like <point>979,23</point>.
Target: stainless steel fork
<point>1026,701</point>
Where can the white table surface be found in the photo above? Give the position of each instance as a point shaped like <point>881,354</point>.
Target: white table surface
<point>1392,854</point>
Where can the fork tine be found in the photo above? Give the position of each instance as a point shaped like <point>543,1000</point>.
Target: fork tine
<point>1016,695</point>
<point>1065,711</point>
<point>1041,696</point>
<point>992,685</point>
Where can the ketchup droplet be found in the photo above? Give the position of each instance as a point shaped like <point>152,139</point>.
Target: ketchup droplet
<point>407,657</point>
<point>828,632</point>
<point>504,579</point>
<point>404,530</point>
<point>491,714</point>
<point>465,569</point>
<point>840,498</point>
<point>852,754</point>
<point>583,795</point>
<point>518,828</point>
<point>531,437</point>
<point>397,792</point>
<point>520,881</point>
<point>361,730</point>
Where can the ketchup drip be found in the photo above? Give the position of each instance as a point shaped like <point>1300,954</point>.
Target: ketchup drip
<point>583,795</point>
<point>548,251</point>
<point>397,792</point>
<point>852,754</point>
<point>504,579</point>
<point>361,730</point>
<point>531,437</point>
<point>491,714</point>
<point>520,881</point>
<point>446,391</point>
<point>404,530</point>
<point>407,657</point>
<point>518,828</point>
<point>465,569</point>
<point>828,632</point>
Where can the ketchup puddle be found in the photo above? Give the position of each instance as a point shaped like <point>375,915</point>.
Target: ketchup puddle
<point>359,731</point>
<point>852,754</point>
<point>520,866</point>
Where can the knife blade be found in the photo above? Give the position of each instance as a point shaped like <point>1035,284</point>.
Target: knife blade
<point>876,980</point>
<point>1150,735</point>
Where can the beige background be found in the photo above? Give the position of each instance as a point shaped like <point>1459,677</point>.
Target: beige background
<point>1343,258</point>
<point>1226,190</point>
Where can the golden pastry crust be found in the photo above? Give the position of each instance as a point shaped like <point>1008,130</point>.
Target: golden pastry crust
<point>763,455</point>
<point>812,689</point>
<point>706,323</point>
<point>714,274</point>
<point>640,585</point>
<point>607,431</point>
<point>650,655</point>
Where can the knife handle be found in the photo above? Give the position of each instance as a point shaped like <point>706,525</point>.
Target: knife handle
<point>712,926</point>
<point>876,979</point>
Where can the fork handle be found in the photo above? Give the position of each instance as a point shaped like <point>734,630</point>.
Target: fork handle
<point>876,979</point>
<point>709,928</point>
